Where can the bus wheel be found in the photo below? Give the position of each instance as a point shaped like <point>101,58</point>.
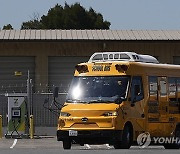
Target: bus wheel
<point>67,144</point>
<point>127,139</point>
<point>175,145</point>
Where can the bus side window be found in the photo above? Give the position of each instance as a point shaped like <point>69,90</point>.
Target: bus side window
<point>153,88</point>
<point>172,89</point>
<point>137,93</point>
<point>163,86</point>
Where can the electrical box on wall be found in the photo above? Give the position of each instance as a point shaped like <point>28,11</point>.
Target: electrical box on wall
<point>17,115</point>
<point>16,112</point>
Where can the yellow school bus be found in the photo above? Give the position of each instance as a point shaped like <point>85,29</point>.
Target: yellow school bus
<point>116,96</point>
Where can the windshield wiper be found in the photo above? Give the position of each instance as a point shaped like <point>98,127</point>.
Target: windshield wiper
<point>75,101</point>
<point>100,101</point>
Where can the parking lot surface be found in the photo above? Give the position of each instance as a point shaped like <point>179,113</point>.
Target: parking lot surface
<point>49,145</point>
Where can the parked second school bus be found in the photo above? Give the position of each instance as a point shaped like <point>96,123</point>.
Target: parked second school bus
<point>116,96</point>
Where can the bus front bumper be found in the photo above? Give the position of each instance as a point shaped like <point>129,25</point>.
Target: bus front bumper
<point>91,136</point>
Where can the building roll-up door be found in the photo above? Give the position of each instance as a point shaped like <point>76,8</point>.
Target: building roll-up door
<point>176,60</point>
<point>11,83</point>
<point>61,71</point>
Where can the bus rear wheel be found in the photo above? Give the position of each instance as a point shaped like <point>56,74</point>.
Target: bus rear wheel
<point>67,144</point>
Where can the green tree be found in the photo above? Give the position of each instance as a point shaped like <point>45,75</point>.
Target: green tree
<point>7,27</point>
<point>32,24</point>
<point>68,17</point>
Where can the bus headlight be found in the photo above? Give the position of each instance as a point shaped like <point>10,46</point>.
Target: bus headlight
<point>111,113</point>
<point>65,114</point>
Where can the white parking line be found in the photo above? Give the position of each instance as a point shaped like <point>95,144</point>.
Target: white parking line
<point>109,147</point>
<point>15,141</point>
<point>87,145</point>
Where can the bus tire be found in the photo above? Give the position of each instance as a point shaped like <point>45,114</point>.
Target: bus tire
<point>127,139</point>
<point>67,144</point>
<point>174,146</point>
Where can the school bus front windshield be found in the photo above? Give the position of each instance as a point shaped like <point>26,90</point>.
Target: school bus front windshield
<point>98,89</point>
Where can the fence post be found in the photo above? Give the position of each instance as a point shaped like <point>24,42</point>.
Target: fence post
<point>1,126</point>
<point>31,129</point>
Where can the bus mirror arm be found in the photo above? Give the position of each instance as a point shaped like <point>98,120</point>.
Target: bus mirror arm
<point>55,95</point>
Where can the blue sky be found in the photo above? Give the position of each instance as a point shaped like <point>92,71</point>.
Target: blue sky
<point>123,14</point>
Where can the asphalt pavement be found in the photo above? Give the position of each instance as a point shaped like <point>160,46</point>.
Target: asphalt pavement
<point>49,145</point>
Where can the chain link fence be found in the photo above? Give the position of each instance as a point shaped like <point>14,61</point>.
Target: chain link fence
<point>43,112</point>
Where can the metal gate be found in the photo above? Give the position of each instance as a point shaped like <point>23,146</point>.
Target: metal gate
<point>61,70</point>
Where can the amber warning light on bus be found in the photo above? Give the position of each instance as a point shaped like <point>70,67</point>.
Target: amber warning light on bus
<point>82,68</point>
<point>123,68</point>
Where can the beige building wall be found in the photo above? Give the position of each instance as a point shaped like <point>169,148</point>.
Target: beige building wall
<point>164,50</point>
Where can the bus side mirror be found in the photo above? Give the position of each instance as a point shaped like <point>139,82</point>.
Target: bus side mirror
<point>55,92</point>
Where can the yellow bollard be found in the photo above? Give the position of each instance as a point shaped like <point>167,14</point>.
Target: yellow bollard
<point>31,129</point>
<point>0,126</point>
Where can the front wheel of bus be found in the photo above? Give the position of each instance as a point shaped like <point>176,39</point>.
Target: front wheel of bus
<point>67,144</point>
<point>127,139</point>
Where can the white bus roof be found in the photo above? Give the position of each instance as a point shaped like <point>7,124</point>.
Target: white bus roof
<point>122,56</point>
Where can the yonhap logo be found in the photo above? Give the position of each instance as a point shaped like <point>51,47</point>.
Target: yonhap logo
<point>166,140</point>
<point>144,140</point>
